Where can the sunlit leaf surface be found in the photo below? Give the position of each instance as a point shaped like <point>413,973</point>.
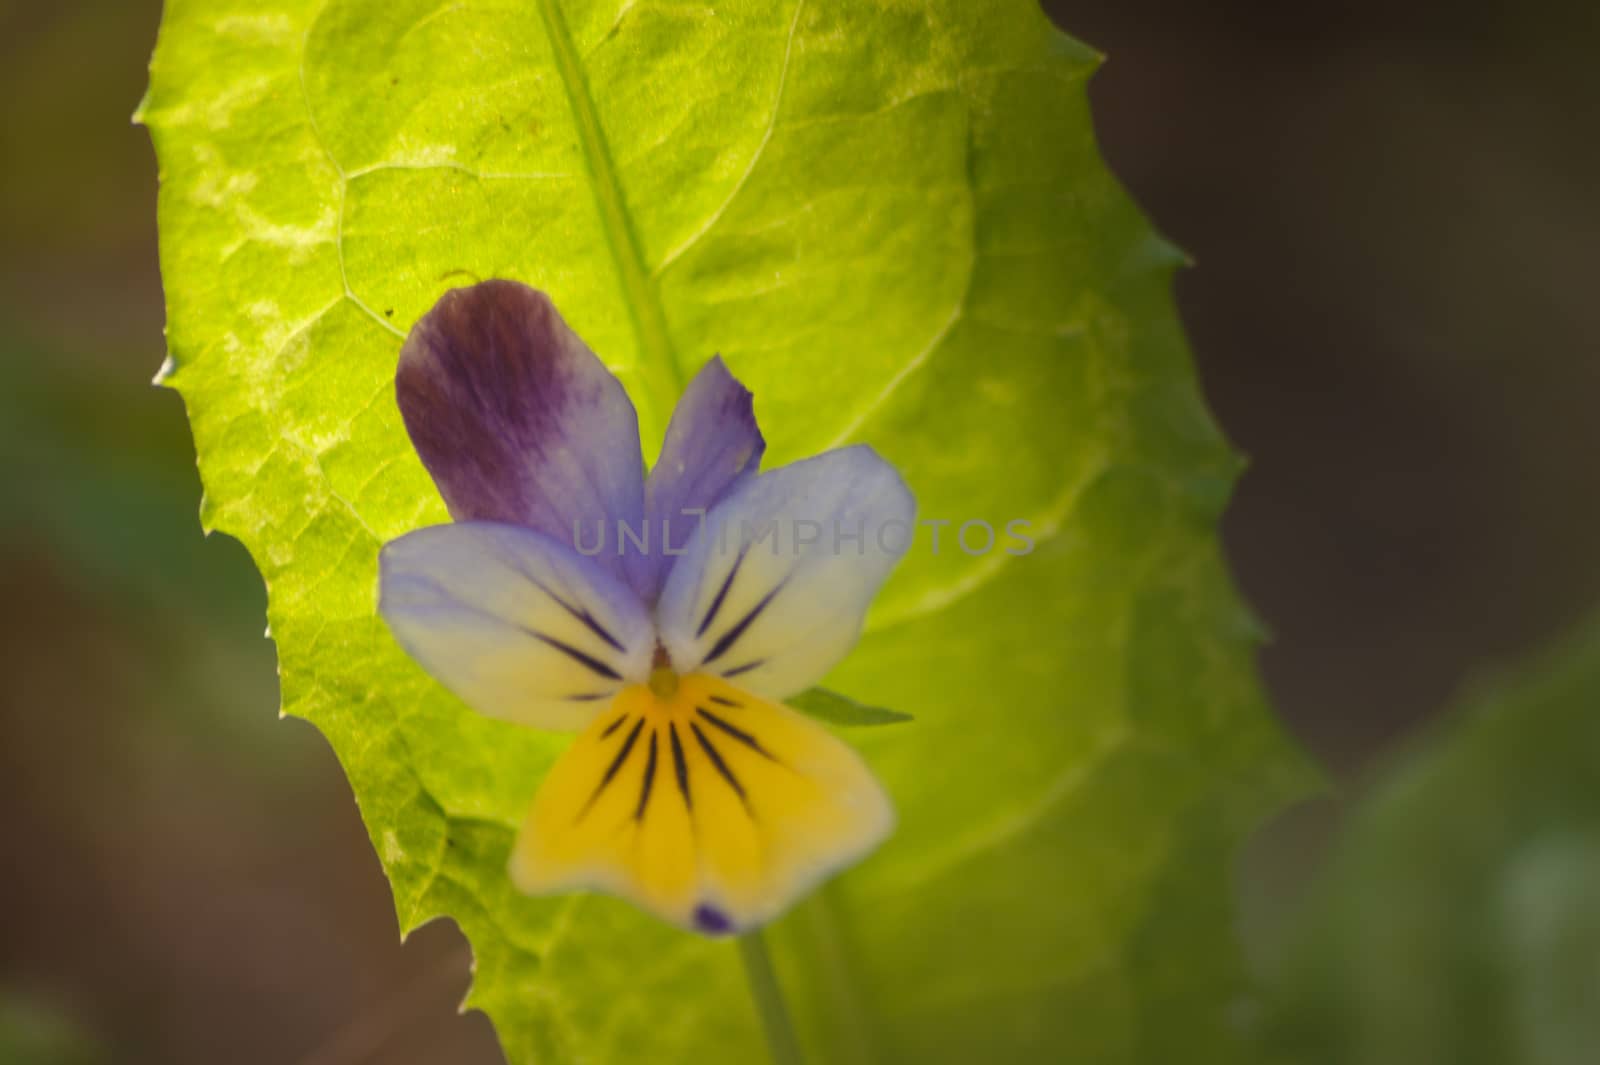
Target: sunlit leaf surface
<point>892,221</point>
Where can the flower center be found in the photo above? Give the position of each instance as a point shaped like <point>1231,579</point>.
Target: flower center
<point>663,678</point>
<point>664,683</point>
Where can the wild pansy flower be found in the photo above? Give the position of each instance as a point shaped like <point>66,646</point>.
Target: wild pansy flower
<point>691,789</point>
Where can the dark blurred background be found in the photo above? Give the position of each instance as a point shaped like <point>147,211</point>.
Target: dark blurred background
<point>1392,213</point>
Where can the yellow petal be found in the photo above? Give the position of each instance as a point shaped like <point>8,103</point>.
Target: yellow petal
<point>705,805</point>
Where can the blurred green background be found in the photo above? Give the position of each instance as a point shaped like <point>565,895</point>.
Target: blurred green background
<point>1392,212</point>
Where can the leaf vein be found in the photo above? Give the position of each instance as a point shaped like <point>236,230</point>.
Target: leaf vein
<point>738,186</point>
<point>338,168</point>
<point>658,359</point>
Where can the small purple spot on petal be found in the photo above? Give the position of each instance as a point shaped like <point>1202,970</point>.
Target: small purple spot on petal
<point>712,921</point>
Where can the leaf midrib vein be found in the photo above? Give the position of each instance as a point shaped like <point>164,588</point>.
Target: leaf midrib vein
<point>657,359</point>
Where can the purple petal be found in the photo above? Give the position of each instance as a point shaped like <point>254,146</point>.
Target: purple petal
<point>517,420</point>
<point>712,444</point>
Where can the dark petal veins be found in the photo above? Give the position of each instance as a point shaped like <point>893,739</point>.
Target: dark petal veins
<point>581,613</point>
<point>738,733</point>
<point>722,592</point>
<point>712,444</point>
<point>680,765</point>
<point>611,770</point>
<point>517,420</point>
<point>649,780</point>
<point>731,636</point>
<point>592,625</point>
<point>721,766</point>
<point>587,661</point>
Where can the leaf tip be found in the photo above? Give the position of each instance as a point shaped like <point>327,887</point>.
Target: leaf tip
<point>169,366</point>
<point>836,709</point>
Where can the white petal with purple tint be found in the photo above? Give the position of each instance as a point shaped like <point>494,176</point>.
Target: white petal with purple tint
<point>517,625</point>
<point>773,594</point>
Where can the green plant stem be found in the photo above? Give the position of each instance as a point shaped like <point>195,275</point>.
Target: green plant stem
<point>763,979</point>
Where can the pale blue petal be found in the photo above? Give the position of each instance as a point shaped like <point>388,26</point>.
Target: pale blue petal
<point>517,625</point>
<point>774,592</point>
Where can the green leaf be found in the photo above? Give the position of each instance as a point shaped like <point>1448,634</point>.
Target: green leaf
<point>1460,918</point>
<point>33,1033</point>
<point>838,709</point>
<point>892,221</point>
